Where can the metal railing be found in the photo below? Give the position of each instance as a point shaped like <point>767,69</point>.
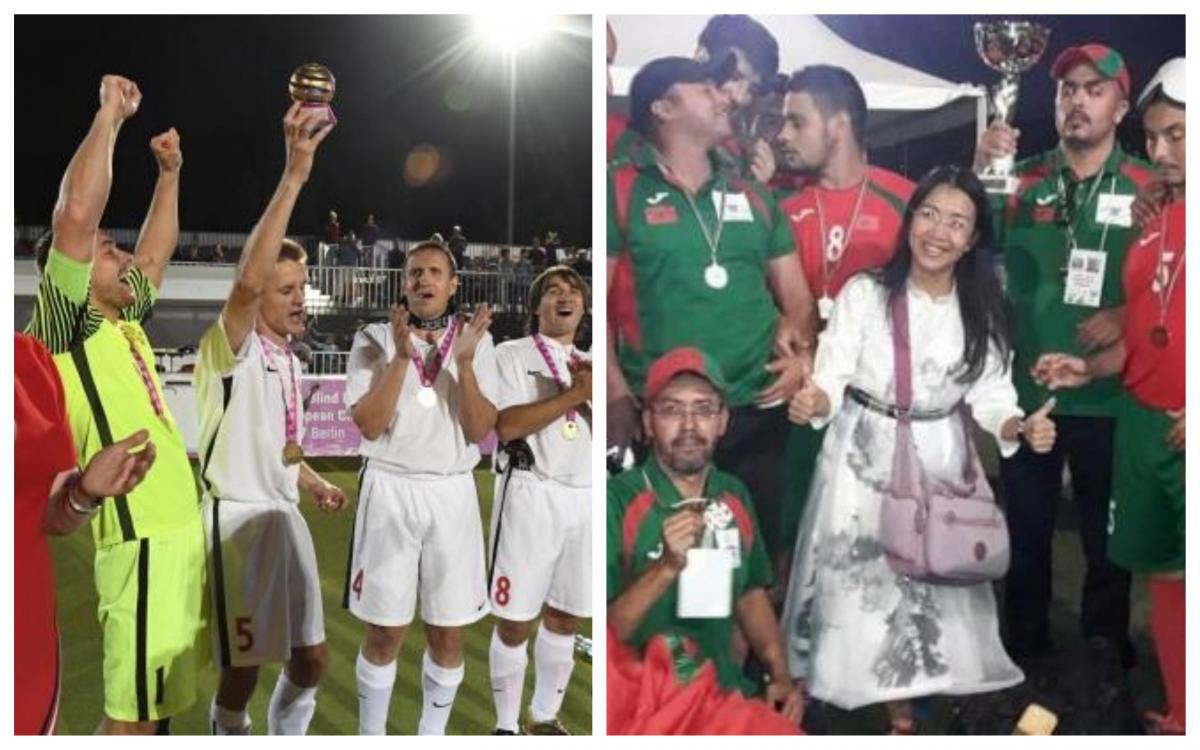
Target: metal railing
<point>335,289</point>
<point>327,363</point>
<point>321,253</point>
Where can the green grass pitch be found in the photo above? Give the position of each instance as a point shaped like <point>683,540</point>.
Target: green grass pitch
<point>337,697</point>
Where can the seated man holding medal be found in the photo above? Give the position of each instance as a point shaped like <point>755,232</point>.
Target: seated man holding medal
<point>266,592</point>
<point>422,390</point>
<point>685,552</point>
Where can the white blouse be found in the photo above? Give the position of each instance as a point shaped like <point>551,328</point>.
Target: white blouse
<point>856,349</point>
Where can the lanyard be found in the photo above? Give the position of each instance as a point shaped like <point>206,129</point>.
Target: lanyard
<point>289,407</point>
<point>712,239</point>
<point>144,372</point>
<point>1070,225</point>
<point>835,240</point>
<point>1164,279</point>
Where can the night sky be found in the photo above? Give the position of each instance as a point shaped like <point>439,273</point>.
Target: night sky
<point>222,82</point>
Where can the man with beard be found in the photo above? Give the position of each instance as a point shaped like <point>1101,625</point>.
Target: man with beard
<point>678,516</point>
<point>92,300</point>
<point>266,592</point>
<point>422,391</point>
<point>1064,233</point>
<point>845,220</point>
<point>1147,511</point>
<point>699,256</point>
<point>541,530</point>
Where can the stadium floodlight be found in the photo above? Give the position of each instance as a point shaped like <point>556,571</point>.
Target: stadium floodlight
<point>511,33</point>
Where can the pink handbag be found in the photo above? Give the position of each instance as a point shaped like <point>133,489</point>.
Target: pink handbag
<point>944,534</point>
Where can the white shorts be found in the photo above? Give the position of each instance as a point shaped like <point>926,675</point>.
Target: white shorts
<point>266,593</point>
<point>416,533</point>
<point>541,542</point>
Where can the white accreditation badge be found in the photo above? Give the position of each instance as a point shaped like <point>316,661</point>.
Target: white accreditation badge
<point>737,206</point>
<point>705,585</point>
<point>1085,278</point>
<point>1116,210</point>
<point>729,541</point>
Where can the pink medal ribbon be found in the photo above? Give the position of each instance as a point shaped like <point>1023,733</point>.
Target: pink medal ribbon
<point>292,452</point>
<point>428,371</point>
<point>570,429</point>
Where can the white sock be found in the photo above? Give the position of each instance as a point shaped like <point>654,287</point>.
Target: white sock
<point>439,684</point>
<point>291,707</point>
<point>507,666</point>
<point>553,660</point>
<point>227,721</point>
<point>374,694</point>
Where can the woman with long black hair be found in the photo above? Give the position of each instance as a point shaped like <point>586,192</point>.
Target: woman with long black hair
<point>858,632</point>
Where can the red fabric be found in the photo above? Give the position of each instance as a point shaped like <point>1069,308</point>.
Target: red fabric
<point>1170,633</point>
<point>647,697</point>
<point>617,125</point>
<point>873,240</point>
<point>1155,376</point>
<point>43,449</point>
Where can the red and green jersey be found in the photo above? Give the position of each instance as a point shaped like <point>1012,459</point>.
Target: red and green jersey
<point>832,251</point>
<point>620,136</point>
<point>1154,374</point>
<point>1032,228</point>
<point>659,299</point>
<point>98,361</point>
<point>639,501</point>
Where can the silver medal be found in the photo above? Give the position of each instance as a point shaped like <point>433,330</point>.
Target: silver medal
<point>426,397</point>
<point>716,276</point>
<point>825,307</point>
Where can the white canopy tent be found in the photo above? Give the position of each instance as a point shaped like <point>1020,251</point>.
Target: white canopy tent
<point>904,103</point>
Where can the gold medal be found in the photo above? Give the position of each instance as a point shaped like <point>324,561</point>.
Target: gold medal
<point>570,430</point>
<point>292,453</point>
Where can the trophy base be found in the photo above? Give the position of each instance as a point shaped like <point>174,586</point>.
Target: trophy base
<point>998,184</point>
<point>324,111</point>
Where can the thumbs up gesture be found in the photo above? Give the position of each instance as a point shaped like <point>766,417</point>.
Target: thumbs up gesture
<point>808,403</point>
<point>1038,428</point>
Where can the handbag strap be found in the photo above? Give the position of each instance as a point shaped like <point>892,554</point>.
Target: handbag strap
<point>902,357</point>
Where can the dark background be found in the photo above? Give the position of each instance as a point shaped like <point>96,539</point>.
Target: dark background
<point>401,82</point>
<point>944,46</point>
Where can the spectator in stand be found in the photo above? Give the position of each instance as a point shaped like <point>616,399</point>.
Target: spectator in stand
<point>458,247</point>
<point>507,274</point>
<point>524,271</point>
<point>370,231</point>
<point>395,262</point>
<point>218,254</point>
<point>374,255</point>
<point>583,262</point>
<point>537,255</point>
<point>348,250</point>
<point>333,230</point>
<point>554,249</point>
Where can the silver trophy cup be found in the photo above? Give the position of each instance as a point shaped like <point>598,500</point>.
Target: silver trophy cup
<point>1010,48</point>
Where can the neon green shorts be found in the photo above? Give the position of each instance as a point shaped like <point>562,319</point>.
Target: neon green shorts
<point>1146,515</point>
<point>152,610</point>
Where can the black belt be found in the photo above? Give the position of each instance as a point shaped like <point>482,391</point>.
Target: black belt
<point>519,454</point>
<point>893,411</point>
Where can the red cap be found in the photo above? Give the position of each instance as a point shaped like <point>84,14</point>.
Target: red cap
<point>1106,60</point>
<point>680,360</point>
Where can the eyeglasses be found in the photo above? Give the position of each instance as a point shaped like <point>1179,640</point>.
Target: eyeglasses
<point>954,223</point>
<point>676,411</point>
